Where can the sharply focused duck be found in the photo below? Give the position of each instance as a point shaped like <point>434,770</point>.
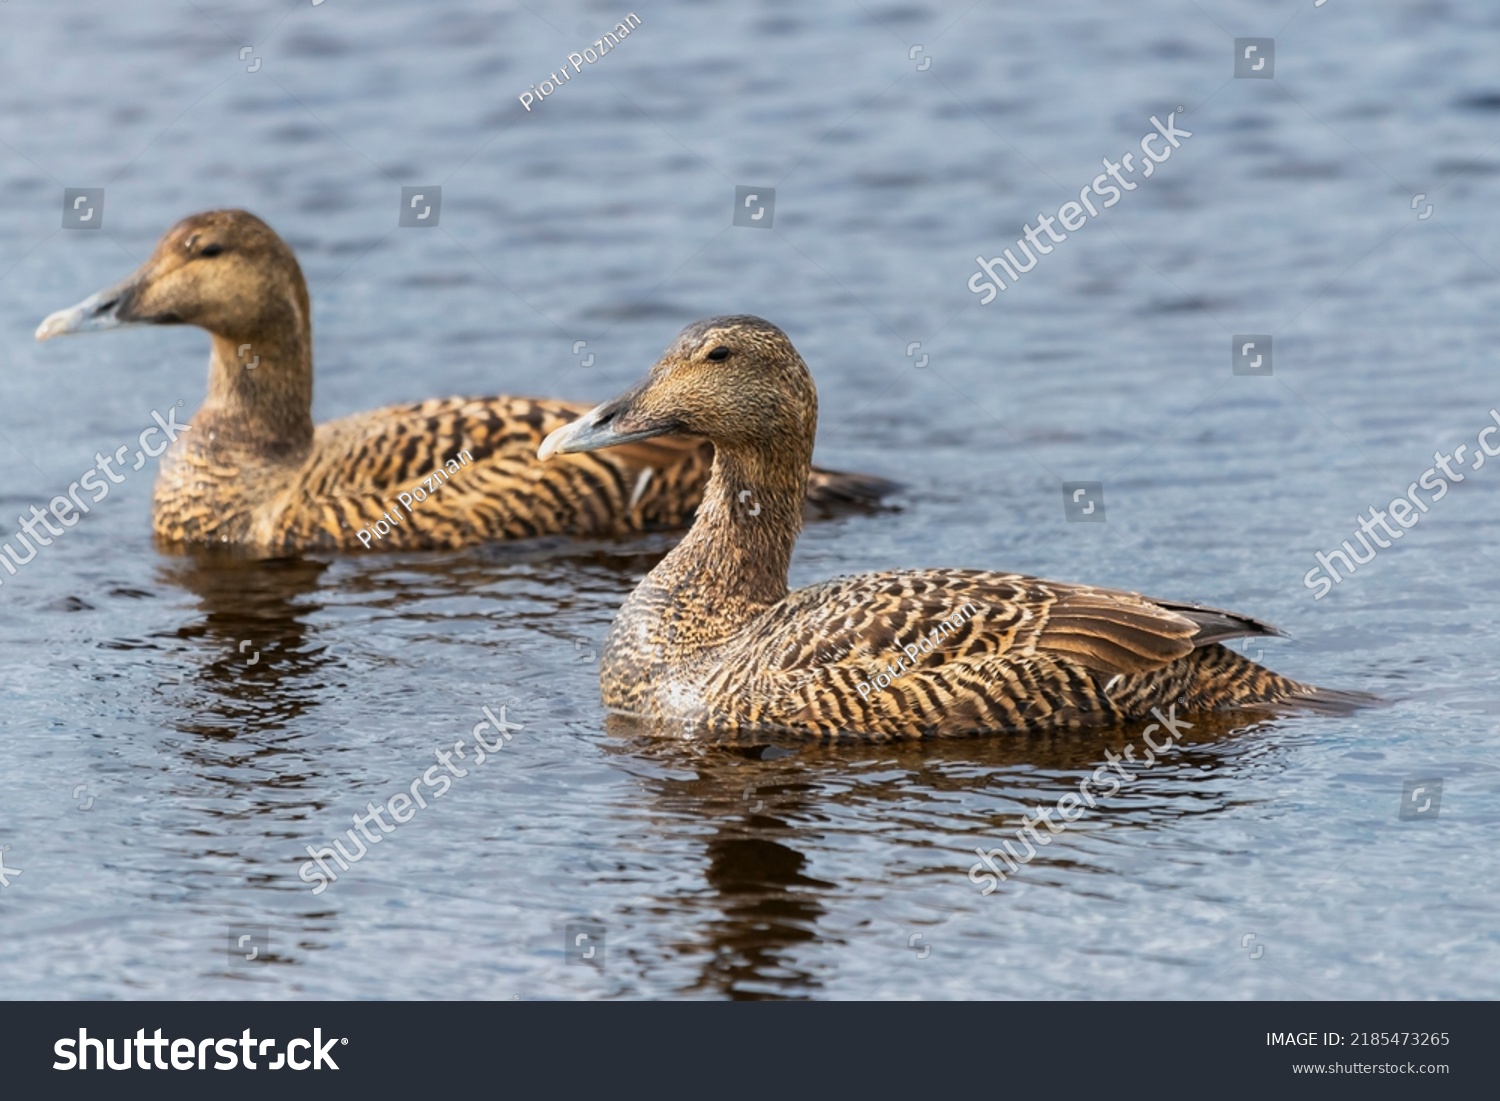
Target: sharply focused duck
<point>711,637</point>
<point>253,469</point>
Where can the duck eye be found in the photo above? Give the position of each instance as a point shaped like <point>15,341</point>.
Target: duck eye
<point>210,250</point>
<point>718,353</point>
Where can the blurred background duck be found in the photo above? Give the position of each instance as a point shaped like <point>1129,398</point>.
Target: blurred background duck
<point>711,637</point>
<point>254,469</point>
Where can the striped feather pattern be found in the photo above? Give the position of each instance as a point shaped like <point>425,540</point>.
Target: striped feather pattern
<point>253,469</point>
<point>1033,655</point>
<point>711,640</point>
<point>358,466</point>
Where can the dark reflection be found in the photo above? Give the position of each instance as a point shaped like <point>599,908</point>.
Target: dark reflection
<point>761,801</point>
<point>262,666</point>
<point>769,905</point>
<point>767,802</point>
<point>254,658</point>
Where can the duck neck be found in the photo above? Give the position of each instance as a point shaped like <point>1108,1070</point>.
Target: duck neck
<point>734,561</point>
<point>260,389</point>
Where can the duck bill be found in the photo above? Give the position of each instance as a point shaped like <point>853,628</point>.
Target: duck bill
<point>607,425</point>
<point>109,309</point>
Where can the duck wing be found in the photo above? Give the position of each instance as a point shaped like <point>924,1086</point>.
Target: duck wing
<point>456,471</point>
<point>926,652</point>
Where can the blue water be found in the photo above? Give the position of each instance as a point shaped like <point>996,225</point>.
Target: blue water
<point>177,729</point>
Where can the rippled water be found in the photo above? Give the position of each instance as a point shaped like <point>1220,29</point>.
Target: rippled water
<point>178,728</point>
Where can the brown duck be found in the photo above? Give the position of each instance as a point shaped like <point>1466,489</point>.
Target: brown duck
<point>253,469</point>
<point>712,638</point>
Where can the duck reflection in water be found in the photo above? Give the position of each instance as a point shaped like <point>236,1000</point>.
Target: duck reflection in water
<point>752,811</point>
<point>256,657</point>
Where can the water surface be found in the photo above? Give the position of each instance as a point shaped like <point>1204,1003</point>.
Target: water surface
<point>178,728</point>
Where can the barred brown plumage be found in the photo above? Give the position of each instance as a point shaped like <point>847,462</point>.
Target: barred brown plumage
<point>253,469</point>
<point>712,639</point>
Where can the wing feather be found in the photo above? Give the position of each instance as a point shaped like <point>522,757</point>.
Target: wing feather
<point>1006,650</point>
<point>362,463</point>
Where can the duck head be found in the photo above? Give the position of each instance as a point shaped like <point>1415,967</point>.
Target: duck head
<point>225,271</point>
<point>736,381</point>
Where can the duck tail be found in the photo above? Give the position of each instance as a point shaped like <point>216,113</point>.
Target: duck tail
<point>833,488</point>
<point>1224,678</point>
<point>1332,701</point>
